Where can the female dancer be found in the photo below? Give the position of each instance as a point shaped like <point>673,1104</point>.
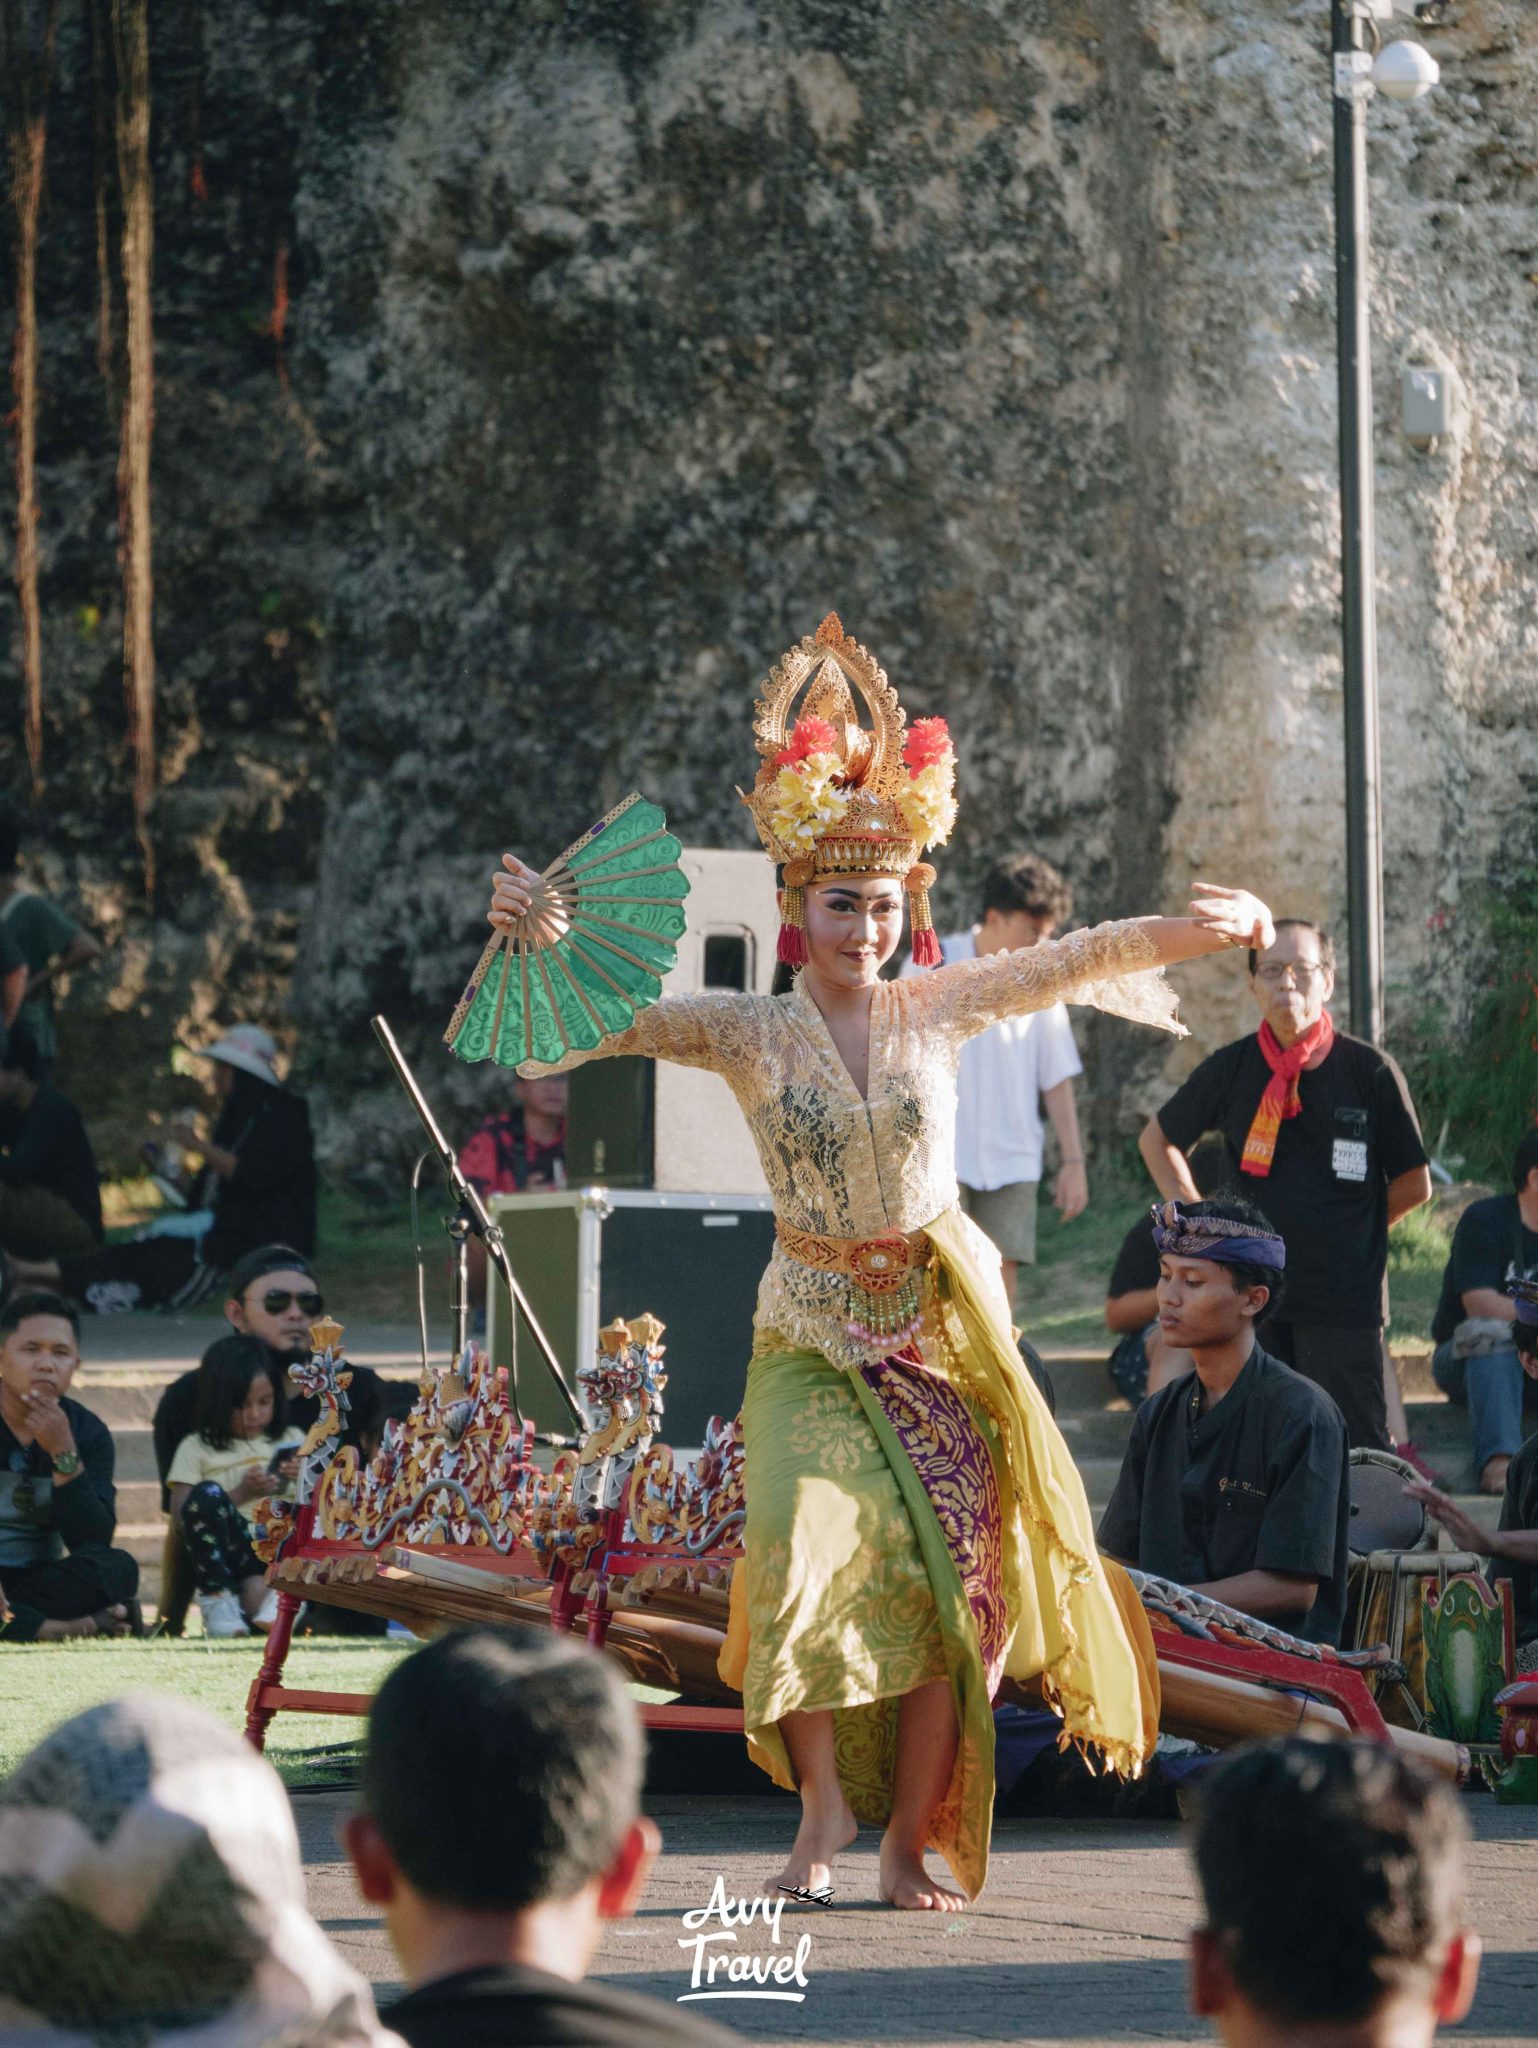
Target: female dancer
<point>916,1529</point>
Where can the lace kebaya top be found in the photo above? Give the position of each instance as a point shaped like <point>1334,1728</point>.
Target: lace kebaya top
<point>843,1165</point>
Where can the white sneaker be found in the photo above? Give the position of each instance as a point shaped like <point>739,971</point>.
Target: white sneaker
<point>221,1615</point>
<point>267,1613</point>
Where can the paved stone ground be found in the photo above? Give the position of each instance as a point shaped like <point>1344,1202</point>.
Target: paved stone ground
<point>1078,1939</point>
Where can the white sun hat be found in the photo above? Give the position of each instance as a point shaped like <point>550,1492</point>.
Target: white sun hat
<point>248,1047</point>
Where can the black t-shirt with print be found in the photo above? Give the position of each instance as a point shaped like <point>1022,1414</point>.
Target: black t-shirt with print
<point>1492,1247</point>
<point>1327,1192</point>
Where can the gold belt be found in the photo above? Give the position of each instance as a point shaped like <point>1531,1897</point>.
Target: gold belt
<point>885,1276</point>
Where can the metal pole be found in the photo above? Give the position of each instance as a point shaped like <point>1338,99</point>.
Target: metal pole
<point>472,1215</point>
<point>1364,821</point>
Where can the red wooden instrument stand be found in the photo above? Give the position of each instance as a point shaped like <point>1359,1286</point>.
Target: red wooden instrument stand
<point>570,1612</point>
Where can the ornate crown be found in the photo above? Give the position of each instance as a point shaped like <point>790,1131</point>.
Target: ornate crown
<point>832,798</point>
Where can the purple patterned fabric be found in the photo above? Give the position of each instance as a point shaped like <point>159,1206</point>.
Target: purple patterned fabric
<point>947,1450</point>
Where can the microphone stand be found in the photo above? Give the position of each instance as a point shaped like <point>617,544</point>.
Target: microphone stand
<point>471,1217</point>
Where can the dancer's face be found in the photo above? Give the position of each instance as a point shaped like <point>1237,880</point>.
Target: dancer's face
<point>853,926</point>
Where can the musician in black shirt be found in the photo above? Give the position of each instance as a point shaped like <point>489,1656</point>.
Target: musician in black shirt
<point>1235,1478</point>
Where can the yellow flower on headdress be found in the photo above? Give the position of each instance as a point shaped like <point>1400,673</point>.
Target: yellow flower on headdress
<point>928,802</point>
<point>807,801</point>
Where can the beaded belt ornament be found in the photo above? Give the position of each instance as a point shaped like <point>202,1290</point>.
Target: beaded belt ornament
<point>885,1275</point>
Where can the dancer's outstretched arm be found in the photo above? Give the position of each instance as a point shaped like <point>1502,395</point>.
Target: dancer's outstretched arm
<point>1108,967</point>
<point>1219,918</point>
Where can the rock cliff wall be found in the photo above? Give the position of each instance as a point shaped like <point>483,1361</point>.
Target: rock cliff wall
<point>609,347</point>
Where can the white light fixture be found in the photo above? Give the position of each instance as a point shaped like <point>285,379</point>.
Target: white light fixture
<point>1405,71</point>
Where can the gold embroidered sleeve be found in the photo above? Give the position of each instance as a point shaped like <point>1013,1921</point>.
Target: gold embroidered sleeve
<point>1113,967</point>
<point>703,1030</point>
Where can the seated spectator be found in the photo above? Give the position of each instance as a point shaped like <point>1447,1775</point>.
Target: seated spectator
<point>257,1186</point>
<point>1235,1478</point>
<point>514,1150</point>
<point>1513,1548</point>
<point>234,1458</point>
<point>273,1296</point>
<point>50,944</point>
<point>59,1574</point>
<point>522,1147</point>
<point>153,1893</point>
<point>496,1918</point>
<point>1331,1876</point>
<point>1494,1246</point>
<point>50,1195</point>
<point>1142,1362</point>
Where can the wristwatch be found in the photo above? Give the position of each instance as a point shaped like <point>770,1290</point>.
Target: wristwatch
<point>67,1464</point>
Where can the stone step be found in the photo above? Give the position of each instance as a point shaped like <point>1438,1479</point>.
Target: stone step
<point>138,1501</point>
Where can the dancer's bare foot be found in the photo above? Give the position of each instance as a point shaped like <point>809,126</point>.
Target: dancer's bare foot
<point>906,1884</point>
<point>819,1839</point>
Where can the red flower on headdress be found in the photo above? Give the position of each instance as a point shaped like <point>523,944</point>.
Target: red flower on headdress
<point>810,736</point>
<point>928,741</point>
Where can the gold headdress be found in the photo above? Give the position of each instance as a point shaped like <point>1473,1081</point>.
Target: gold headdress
<point>834,799</point>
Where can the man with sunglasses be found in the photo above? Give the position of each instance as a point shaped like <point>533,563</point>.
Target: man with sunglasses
<point>273,1297</point>
<point>1321,1133</point>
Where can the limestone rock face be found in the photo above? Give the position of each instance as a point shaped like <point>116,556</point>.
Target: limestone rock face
<point>621,344</point>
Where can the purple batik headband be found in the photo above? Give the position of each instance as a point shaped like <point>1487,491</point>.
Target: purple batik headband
<point>1219,1238</point>
<point>1525,1295</point>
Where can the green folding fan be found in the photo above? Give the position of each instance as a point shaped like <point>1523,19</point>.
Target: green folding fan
<point>601,931</point>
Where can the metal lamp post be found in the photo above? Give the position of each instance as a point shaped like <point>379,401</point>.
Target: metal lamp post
<point>1357,75</point>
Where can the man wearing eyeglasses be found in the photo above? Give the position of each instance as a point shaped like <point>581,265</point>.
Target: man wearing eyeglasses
<point>1320,1131</point>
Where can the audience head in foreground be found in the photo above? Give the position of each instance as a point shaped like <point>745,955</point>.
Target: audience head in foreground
<point>499,1828</point>
<point>151,1892</point>
<point>1331,1875</point>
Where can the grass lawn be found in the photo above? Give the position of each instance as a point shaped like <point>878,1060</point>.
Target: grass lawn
<point>43,1684</point>
<point>1061,1301</point>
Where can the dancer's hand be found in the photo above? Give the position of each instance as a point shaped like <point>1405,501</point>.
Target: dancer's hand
<point>1234,916</point>
<point>512,892</point>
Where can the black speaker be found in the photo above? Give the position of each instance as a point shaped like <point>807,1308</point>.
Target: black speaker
<point>583,1258</point>
<point>609,1123</point>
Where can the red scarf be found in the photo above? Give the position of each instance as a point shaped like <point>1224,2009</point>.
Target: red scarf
<point>1281,1098</point>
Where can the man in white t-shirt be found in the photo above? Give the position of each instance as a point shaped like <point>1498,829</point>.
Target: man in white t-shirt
<point>1013,1070</point>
